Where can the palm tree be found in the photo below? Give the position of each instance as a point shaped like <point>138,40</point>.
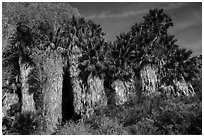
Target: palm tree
<point>154,29</point>
<point>89,62</point>
<point>35,58</point>
<point>182,70</point>
<point>173,65</point>
<point>121,57</point>
<point>24,39</point>
<point>20,63</point>
<point>142,48</point>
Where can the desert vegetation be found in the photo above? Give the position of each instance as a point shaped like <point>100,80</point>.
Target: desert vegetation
<point>61,76</point>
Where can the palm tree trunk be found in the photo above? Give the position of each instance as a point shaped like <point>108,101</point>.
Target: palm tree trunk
<point>28,104</point>
<point>149,79</point>
<point>183,87</point>
<point>123,91</point>
<point>121,95</point>
<point>96,97</point>
<point>77,85</point>
<point>86,99</point>
<point>191,89</point>
<point>52,91</point>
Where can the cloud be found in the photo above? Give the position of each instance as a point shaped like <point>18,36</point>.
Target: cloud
<point>171,6</point>
<point>182,27</point>
<point>136,9</point>
<point>118,15</point>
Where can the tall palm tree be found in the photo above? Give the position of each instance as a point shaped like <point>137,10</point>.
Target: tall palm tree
<point>23,43</point>
<point>10,69</point>
<point>154,28</point>
<point>121,57</point>
<point>20,63</point>
<point>89,63</point>
<point>35,44</point>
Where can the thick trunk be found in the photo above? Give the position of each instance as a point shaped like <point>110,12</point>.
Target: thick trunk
<point>96,97</point>
<point>123,91</point>
<point>28,104</point>
<point>121,94</point>
<point>77,85</point>
<point>183,88</point>
<point>190,89</point>
<point>52,91</point>
<point>168,91</point>
<point>149,79</point>
<point>177,89</point>
<point>79,96</point>
<point>86,99</point>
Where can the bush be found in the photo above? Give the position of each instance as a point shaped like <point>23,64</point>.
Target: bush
<point>178,116</point>
<point>156,115</point>
<point>102,125</point>
<point>197,85</point>
<point>71,128</point>
<point>143,127</point>
<point>22,124</point>
<point>152,115</point>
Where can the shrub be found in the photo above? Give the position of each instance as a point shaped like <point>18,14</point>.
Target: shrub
<point>197,85</point>
<point>22,124</point>
<point>143,127</point>
<point>153,115</point>
<point>71,128</point>
<point>179,117</point>
<point>104,125</point>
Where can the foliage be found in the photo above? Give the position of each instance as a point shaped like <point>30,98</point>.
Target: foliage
<point>90,38</point>
<point>36,24</point>
<point>30,25</point>
<point>180,64</point>
<point>32,29</point>
<point>149,42</point>
<point>144,43</point>
<point>197,85</point>
<point>33,25</point>
<point>23,124</point>
<point>30,13</point>
<point>71,128</point>
<point>146,116</point>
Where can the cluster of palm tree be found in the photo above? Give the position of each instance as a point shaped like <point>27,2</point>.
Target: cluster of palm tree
<point>146,52</point>
<point>149,44</point>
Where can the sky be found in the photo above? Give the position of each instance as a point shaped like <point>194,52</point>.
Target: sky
<point>117,17</point>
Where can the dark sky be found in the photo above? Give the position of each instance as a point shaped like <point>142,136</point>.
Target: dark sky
<point>117,17</point>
